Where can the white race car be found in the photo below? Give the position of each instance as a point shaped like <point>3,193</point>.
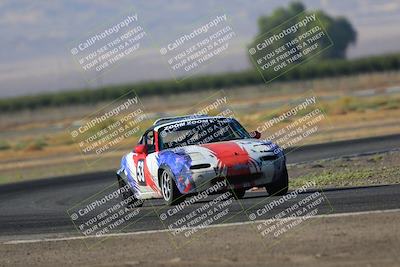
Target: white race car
<point>179,156</point>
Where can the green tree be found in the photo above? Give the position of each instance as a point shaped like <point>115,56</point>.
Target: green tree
<point>339,29</point>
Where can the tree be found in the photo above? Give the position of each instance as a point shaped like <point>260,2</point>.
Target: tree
<point>339,29</point>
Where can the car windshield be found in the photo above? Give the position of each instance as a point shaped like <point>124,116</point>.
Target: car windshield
<point>201,131</point>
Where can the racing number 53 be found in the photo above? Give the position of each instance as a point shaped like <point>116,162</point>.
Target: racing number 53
<point>140,172</point>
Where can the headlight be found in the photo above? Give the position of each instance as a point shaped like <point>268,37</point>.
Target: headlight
<point>196,156</point>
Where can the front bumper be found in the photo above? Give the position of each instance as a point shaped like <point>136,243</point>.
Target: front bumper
<point>269,172</point>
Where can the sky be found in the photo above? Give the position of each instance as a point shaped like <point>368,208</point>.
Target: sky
<point>37,36</point>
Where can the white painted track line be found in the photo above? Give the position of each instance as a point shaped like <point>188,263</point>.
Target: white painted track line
<point>27,241</point>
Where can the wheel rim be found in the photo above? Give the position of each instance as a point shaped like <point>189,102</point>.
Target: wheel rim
<point>166,186</point>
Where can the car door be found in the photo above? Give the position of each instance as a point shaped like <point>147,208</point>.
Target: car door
<point>143,174</point>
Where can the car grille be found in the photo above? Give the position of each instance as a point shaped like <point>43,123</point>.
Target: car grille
<point>269,157</point>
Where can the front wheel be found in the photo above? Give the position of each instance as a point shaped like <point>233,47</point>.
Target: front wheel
<point>279,187</point>
<point>169,190</point>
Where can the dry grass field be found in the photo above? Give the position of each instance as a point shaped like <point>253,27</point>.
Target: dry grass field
<point>37,144</point>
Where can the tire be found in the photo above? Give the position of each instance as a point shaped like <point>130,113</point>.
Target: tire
<point>279,187</point>
<point>238,193</point>
<point>169,190</point>
<point>133,202</point>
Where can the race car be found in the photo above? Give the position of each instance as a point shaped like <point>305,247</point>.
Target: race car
<point>181,156</point>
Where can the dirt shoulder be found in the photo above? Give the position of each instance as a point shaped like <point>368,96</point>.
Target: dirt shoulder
<point>356,240</point>
<point>372,169</point>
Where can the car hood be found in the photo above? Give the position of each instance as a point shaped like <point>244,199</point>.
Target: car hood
<point>239,147</point>
<point>243,147</point>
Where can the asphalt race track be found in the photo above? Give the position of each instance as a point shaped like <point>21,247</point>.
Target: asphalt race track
<point>39,207</point>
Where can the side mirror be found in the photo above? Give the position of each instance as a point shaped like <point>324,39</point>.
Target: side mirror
<point>140,149</point>
<point>255,134</point>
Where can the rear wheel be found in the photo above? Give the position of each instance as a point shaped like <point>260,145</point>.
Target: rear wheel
<point>169,190</point>
<point>127,195</point>
<point>238,193</point>
<point>279,187</point>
